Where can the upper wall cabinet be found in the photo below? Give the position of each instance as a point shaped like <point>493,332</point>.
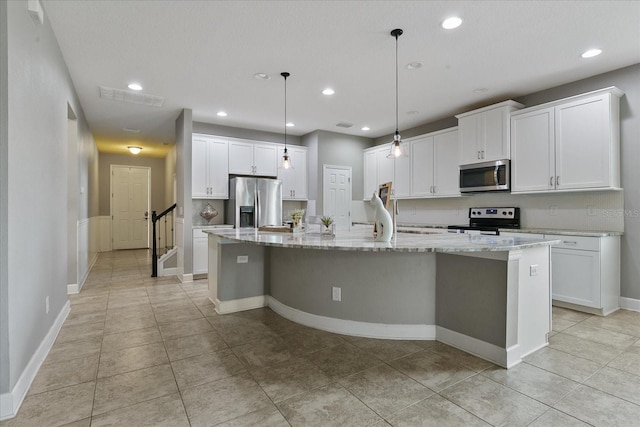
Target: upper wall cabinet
<point>484,133</point>
<point>378,169</point>
<point>434,165</point>
<point>430,170</point>
<point>295,179</point>
<point>209,167</point>
<point>253,158</point>
<point>568,145</point>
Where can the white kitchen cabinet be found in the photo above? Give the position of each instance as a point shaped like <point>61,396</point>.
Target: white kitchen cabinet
<point>483,134</point>
<point>586,273</point>
<point>567,145</point>
<point>378,169</point>
<point>434,165</point>
<point>253,158</point>
<point>209,167</point>
<point>200,251</point>
<point>294,180</point>
<point>430,170</point>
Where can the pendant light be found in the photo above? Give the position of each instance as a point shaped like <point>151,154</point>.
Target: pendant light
<point>397,148</point>
<point>286,161</point>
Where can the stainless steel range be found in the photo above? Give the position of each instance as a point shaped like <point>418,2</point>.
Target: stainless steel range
<point>489,220</point>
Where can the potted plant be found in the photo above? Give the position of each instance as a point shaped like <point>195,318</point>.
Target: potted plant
<point>296,217</point>
<point>327,225</point>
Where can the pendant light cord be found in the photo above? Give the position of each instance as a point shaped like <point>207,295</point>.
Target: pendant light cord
<point>397,82</point>
<point>285,75</point>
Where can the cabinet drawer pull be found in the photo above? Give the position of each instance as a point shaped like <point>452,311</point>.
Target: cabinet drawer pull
<point>570,242</point>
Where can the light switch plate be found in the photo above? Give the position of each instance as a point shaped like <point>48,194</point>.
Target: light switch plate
<point>243,259</point>
<point>336,293</point>
<point>533,270</point>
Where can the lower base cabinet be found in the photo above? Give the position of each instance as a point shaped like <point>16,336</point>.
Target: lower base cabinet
<point>585,272</point>
<point>201,250</point>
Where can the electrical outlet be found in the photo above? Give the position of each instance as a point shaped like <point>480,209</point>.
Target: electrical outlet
<point>553,210</point>
<point>46,305</point>
<point>243,259</point>
<point>591,210</point>
<point>533,270</point>
<point>336,293</point>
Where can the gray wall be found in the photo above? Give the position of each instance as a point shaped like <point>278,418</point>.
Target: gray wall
<point>169,172</point>
<point>254,135</point>
<point>184,129</point>
<point>157,166</point>
<point>39,89</point>
<point>341,150</point>
<point>5,384</point>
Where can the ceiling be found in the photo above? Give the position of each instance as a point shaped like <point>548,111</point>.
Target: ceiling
<point>203,55</point>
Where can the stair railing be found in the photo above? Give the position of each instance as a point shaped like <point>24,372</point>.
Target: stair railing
<point>157,237</point>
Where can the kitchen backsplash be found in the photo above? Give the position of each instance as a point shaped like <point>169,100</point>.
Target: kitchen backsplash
<point>588,211</point>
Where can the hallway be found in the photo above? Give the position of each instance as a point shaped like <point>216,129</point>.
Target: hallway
<point>138,351</point>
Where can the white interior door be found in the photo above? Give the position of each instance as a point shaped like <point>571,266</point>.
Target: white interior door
<point>130,206</point>
<point>336,195</point>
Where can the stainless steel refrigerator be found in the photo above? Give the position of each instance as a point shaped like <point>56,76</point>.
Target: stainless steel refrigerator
<point>254,202</point>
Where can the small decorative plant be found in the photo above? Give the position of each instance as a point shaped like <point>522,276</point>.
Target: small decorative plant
<point>326,221</point>
<point>297,214</point>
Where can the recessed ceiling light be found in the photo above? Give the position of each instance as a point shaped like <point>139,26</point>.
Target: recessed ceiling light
<point>480,90</point>
<point>129,130</point>
<point>134,86</point>
<point>328,91</point>
<point>222,114</point>
<point>414,65</point>
<point>365,128</point>
<point>451,23</point>
<point>262,76</point>
<point>290,125</point>
<point>591,53</point>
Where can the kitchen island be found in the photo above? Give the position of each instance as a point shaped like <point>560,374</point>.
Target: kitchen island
<point>487,295</point>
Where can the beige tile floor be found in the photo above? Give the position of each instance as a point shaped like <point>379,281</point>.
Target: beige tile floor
<point>136,351</point>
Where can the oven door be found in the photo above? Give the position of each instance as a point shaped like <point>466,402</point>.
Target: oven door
<point>488,176</point>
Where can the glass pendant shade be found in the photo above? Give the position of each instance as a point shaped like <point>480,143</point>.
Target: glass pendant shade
<point>286,161</point>
<point>397,147</point>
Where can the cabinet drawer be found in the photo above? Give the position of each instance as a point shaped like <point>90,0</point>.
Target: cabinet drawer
<point>576,242</point>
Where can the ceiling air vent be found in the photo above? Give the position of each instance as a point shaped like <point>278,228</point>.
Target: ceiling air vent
<point>344,125</point>
<point>130,97</point>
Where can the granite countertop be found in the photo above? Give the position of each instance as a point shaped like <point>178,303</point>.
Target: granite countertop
<point>428,229</point>
<point>360,239</point>
<point>213,226</point>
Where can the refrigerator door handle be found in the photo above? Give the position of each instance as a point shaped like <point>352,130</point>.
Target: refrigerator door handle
<point>256,212</point>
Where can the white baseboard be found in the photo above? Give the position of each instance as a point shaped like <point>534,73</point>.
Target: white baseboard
<point>232,306</point>
<point>173,271</point>
<point>10,402</point>
<point>500,356</point>
<point>185,278</point>
<point>352,327</point>
<point>629,303</point>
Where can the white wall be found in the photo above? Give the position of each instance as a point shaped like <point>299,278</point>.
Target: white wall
<point>39,91</point>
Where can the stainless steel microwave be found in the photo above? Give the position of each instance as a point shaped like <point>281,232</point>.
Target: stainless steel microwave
<point>487,176</point>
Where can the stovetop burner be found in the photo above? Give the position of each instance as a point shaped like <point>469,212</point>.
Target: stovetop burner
<point>489,220</point>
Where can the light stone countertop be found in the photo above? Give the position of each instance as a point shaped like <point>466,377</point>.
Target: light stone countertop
<point>202,227</point>
<point>360,239</point>
<point>425,228</point>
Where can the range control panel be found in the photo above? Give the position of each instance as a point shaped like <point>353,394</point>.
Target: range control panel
<point>494,213</point>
